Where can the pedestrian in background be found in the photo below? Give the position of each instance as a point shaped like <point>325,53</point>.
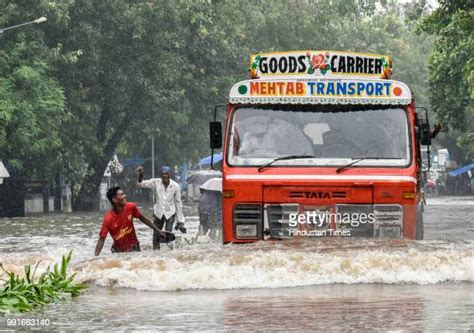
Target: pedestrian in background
<point>168,205</point>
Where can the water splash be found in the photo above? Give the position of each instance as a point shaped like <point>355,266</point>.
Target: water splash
<point>275,265</point>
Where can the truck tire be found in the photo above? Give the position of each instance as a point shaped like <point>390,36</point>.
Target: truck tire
<point>419,223</point>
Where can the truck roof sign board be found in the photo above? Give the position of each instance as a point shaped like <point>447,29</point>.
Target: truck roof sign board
<point>320,91</point>
<point>320,64</point>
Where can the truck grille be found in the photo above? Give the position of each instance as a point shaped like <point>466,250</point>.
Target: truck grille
<point>379,220</point>
<point>388,214</point>
<point>278,219</point>
<point>388,221</point>
<point>363,229</point>
<point>247,214</point>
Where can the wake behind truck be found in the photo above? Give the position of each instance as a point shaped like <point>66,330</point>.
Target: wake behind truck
<point>321,143</point>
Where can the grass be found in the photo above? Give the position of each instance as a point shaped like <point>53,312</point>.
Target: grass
<point>24,294</point>
<point>192,241</point>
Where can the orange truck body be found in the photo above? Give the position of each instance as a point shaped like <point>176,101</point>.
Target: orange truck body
<point>264,203</point>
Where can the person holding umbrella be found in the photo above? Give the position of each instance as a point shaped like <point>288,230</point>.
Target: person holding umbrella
<point>210,206</point>
<point>168,203</point>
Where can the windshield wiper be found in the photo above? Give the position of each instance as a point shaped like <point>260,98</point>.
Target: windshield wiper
<point>289,157</point>
<point>358,159</point>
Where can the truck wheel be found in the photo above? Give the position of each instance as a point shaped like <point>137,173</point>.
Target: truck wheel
<point>419,223</point>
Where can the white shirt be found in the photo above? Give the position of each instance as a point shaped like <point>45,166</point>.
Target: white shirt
<point>168,201</point>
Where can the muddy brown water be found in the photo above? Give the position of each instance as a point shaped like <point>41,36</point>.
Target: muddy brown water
<point>328,284</point>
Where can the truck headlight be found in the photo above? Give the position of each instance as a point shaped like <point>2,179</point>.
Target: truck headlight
<point>389,231</point>
<point>246,230</point>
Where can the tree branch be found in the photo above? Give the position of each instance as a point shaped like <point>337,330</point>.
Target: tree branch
<point>115,138</point>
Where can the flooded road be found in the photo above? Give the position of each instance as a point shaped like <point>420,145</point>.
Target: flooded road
<point>335,284</point>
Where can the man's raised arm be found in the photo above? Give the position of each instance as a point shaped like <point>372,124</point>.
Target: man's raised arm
<point>141,182</point>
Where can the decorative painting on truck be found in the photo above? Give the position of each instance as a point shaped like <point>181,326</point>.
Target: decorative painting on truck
<point>321,91</point>
<point>320,63</point>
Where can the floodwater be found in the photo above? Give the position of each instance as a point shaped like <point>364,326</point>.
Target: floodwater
<point>324,284</point>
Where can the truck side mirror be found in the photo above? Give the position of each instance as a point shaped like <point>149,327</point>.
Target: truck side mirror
<point>215,131</point>
<point>424,132</point>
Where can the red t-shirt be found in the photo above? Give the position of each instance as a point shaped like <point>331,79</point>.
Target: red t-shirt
<point>121,227</point>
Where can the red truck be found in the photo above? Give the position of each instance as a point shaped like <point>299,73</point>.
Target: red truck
<point>321,143</point>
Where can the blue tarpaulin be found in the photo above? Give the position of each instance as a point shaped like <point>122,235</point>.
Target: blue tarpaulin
<point>207,160</point>
<point>134,161</point>
<point>460,171</point>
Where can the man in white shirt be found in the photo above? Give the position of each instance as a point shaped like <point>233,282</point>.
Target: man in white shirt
<point>168,203</point>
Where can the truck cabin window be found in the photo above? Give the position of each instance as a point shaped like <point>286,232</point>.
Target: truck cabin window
<point>334,137</point>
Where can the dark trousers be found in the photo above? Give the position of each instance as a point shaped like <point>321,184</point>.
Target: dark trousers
<point>135,248</point>
<point>168,223</point>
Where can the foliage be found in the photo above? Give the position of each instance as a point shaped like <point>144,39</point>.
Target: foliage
<point>131,69</point>
<point>31,100</point>
<point>27,294</point>
<point>106,75</point>
<point>451,79</point>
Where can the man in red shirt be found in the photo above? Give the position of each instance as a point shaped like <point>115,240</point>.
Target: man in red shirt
<point>119,223</point>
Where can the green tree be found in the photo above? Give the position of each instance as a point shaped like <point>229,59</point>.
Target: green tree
<point>131,69</point>
<point>451,79</point>
<point>127,69</point>
<point>214,44</point>
<point>112,75</point>
<point>32,107</point>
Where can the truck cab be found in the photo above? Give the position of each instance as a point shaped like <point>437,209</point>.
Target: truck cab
<point>321,151</point>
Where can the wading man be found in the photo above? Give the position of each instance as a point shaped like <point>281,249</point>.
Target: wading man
<point>119,223</point>
<point>167,203</point>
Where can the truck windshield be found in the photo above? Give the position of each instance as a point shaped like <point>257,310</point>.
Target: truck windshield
<point>333,135</point>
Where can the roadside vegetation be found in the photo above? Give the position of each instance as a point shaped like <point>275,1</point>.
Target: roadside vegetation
<point>24,294</point>
<point>104,76</point>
